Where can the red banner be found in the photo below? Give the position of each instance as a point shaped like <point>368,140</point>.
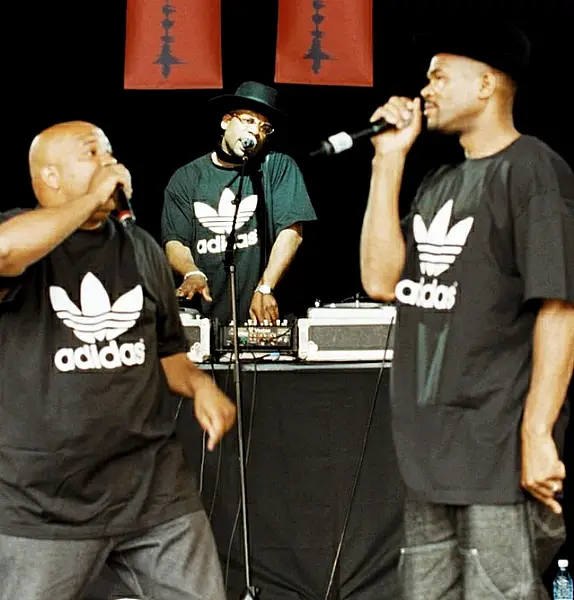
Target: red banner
<point>325,42</point>
<point>173,44</point>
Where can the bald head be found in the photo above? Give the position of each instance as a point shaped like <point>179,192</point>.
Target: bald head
<point>62,159</point>
<point>48,146</point>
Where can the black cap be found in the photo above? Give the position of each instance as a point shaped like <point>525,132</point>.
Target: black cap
<point>251,95</point>
<point>499,44</point>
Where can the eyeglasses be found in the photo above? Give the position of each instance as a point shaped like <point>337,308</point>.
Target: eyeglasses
<point>250,121</point>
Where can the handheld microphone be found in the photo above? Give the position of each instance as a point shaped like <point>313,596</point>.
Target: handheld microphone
<point>343,141</point>
<point>248,142</point>
<point>124,212</point>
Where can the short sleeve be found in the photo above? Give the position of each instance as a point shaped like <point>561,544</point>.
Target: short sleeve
<point>406,222</point>
<point>544,246</point>
<point>291,202</point>
<point>407,219</point>
<point>170,335</point>
<point>177,219</point>
<point>153,265</point>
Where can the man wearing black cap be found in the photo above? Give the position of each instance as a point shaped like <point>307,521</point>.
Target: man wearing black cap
<point>200,201</point>
<point>482,270</point>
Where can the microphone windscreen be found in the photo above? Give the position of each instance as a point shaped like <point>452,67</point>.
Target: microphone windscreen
<point>248,142</point>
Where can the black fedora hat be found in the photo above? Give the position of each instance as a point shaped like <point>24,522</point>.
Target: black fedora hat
<point>250,95</point>
<point>499,44</point>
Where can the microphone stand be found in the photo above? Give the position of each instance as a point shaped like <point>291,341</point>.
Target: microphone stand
<point>250,592</point>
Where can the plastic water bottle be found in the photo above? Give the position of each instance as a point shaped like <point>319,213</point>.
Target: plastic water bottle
<point>562,586</point>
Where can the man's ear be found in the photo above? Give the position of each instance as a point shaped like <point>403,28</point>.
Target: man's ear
<point>50,176</point>
<point>488,85</point>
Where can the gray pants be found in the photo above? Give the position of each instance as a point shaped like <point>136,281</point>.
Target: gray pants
<point>478,552</point>
<point>174,561</point>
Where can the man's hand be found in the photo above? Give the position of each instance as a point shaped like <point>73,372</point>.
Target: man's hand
<point>406,115</point>
<point>542,470</point>
<point>214,411</point>
<point>105,181</point>
<point>264,308</point>
<point>194,284</point>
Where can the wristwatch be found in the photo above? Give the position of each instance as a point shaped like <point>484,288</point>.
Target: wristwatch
<point>263,288</point>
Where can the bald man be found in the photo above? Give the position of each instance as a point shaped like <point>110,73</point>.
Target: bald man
<point>91,348</point>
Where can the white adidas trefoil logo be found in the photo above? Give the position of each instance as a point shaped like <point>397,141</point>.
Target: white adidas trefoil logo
<point>220,221</point>
<point>98,321</point>
<point>438,247</point>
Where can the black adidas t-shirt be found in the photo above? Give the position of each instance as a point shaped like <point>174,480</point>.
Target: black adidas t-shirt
<point>487,241</point>
<point>198,212</point>
<point>87,433</point>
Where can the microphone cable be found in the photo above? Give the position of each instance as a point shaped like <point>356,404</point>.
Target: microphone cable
<point>204,444</point>
<point>360,463</point>
<point>225,388</point>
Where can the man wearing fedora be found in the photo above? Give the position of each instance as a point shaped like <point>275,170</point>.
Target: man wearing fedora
<point>482,270</point>
<point>201,199</point>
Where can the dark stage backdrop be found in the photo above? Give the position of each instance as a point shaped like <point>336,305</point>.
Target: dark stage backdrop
<point>67,61</point>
